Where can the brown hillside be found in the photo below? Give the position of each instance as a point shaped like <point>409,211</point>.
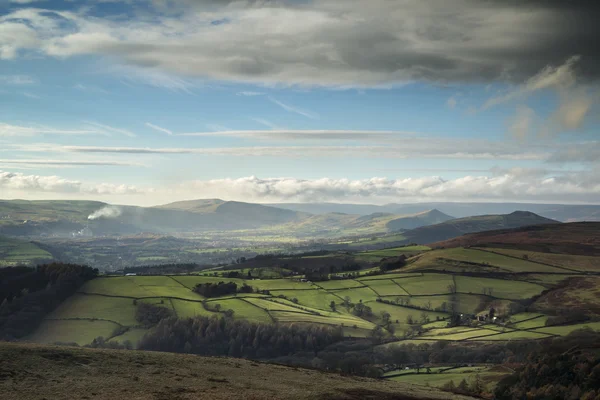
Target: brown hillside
<point>53,372</point>
<point>581,238</point>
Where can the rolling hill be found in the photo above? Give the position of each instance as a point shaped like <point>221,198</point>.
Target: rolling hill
<point>36,372</point>
<point>84,218</point>
<point>460,226</point>
<point>579,238</point>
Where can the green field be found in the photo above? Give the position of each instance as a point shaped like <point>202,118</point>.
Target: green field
<point>243,309</point>
<point>501,288</point>
<point>464,335</point>
<point>119,310</point>
<point>189,309</point>
<point>340,284</point>
<point>19,252</point>
<point>514,335</point>
<point>386,287</point>
<point>319,299</point>
<point>427,284</point>
<point>81,332</point>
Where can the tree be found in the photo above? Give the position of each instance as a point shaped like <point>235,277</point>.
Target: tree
<point>347,302</point>
<point>385,316</point>
<point>332,305</point>
<point>409,319</point>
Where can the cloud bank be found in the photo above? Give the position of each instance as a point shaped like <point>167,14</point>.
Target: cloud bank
<point>497,185</point>
<point>350,43</point>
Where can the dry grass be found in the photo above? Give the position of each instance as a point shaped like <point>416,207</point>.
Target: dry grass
<point>52,372</point>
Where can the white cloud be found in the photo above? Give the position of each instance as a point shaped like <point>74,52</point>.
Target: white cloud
<point>293,109</point>
<point>561,77</point>
<point>68,163</point>
<point>451,102</point>
<point>499,185</point>
<point>25,131</point>
<point>430,148</point>
<point>265,122</point>
<point>250,93</point>
<point>109,129</point>
<point>32,95</point>
<point>19,182</point>
<point>274,133</point>
<point>17,80</point>
<point>89,88</point>
<point>158,128</point>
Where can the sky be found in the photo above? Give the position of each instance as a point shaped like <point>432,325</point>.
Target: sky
<point>146,102</point>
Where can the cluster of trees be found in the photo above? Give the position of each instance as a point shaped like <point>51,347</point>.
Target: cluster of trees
<point>218,336</point>
<point>389,264</point>
<point>150,314</point>
<point>564,369</point>
<point>28,294</point>
<point>221,289</point>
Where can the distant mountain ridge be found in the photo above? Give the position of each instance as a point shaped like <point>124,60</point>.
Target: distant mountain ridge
<point>559,212</point>
<point>86,218</point>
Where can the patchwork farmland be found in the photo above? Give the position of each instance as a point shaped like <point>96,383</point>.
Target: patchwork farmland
<point>413,303</point>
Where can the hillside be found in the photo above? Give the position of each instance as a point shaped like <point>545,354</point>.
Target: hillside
<point>36,372</point>
<point>581,238</point>
<point>461,226</point>
<point>20,252</point>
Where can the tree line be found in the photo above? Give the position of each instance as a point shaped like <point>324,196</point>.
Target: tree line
<point>220,336</point>
<point>221,289</point>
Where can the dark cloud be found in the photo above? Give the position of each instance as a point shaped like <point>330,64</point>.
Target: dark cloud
<point>332,42</point>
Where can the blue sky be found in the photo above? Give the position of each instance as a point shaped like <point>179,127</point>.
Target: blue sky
<point>143,103</point>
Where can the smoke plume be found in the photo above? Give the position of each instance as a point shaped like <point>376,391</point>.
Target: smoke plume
<point>106,212</point>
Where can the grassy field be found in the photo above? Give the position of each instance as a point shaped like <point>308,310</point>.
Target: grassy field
<point>81,332</point>
<point>319,299</point>
<point>386,287</point>
<point>464,335</point>
<point>507,289</point>
<point>513,335</point>
<point>566,329</point>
